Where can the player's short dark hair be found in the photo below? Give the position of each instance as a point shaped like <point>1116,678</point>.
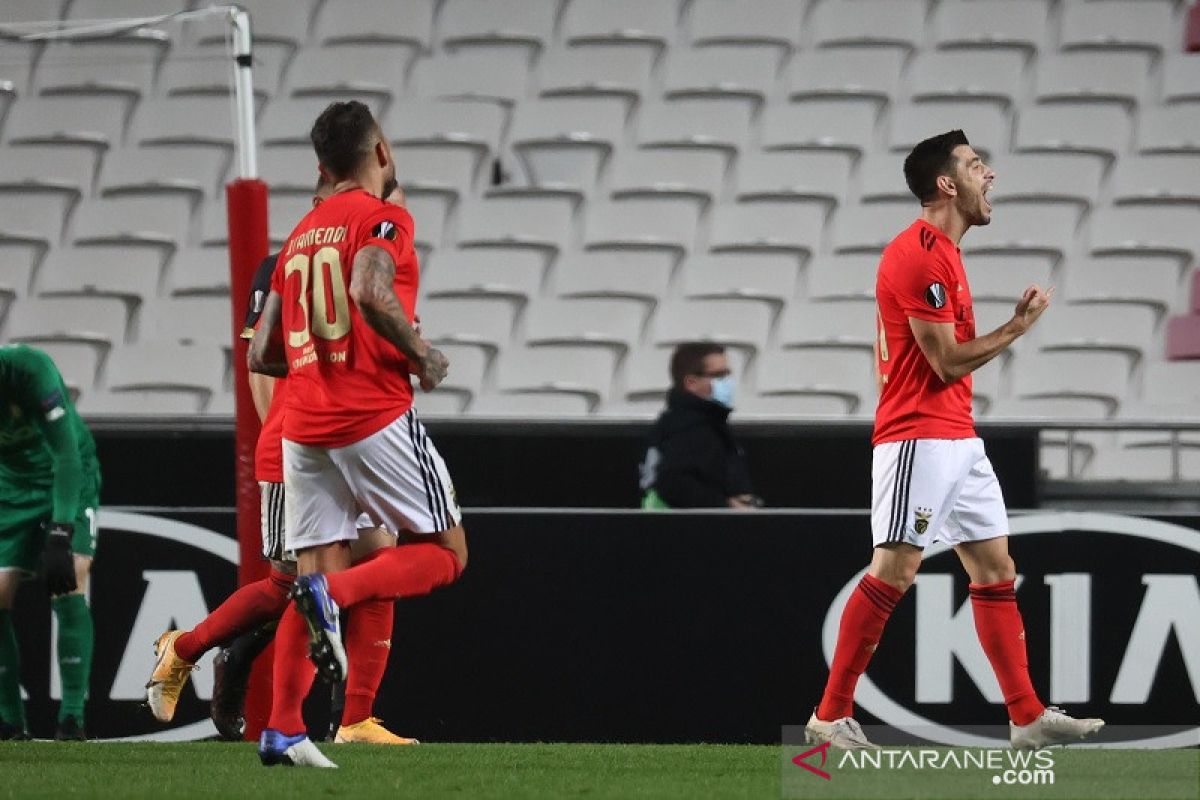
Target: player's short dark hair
<point>688,359</point>
<point>343,136</point>
<point>929,160</point>
<point>323,182</point>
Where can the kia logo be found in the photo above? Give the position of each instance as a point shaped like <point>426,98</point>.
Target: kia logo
<point>1165,599</point>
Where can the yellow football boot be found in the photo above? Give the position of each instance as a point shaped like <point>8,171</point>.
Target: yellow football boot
<point>170,675</point>
<point>369,731</point>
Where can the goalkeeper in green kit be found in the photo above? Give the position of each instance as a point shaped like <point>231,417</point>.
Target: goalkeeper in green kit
<point>49,494</point>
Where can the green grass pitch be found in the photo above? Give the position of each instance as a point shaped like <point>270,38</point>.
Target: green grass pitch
<point>480,771</point>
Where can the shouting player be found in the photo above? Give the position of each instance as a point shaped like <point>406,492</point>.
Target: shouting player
<point>49,494</point>
<point>345,294</point>
<point>931,478</point>
<point>256,607</point>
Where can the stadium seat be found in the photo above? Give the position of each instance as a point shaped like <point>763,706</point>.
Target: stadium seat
<point>1143,456</point>
<point>214,224</point>
<point>22,11</point>
<point>47,167</point>
<point>444,171</point>
<point>199,271</point>
<point>564,142</point>
<point>649,172</point>
<point>1117,327</point>
<point>1091,77</point>
<point>1046,229</point>
<point>1181,78</point>
<point>542,224</point>
<point>841,324</point>
<point>292,168</point>
<point>527,25</point>
<point>204,71</point>
<point>985,385</point>
<point>638,275</point>
<point>992,24</point>
<point>100,404</point>
<point>77,363</point>
<point>696,124</point>
<point>836,125</point>
<point>406,23</point>
<point>193,172</point>
<point>613,323</point>
<point>874,23</point>
<point>17,262</point>
<point>868,227</point>
<point>106,9</point>
<point>843,277</point>
<point>288,120</point>
<point>97,122</point>
<point>473,126</point>
<point>739,324</point>
<point>768,24</point>
<point>793,176</point>
<point>656,224</point>
<point>32,216</point>
<point>482,321</point>
<point>1148,27</point>
<point>1001,277</point>
<point>468,365</point>
<point>853,74</point>
<point>768,277</point>
<point>122,67</point>
<point>516,276</point>
<point>195,121</point>
<point>647,23</point>
<point>100,321</point>
<point>198,369</point>
<point>129,273</point>
<point>1153,282</point>
<point>985,125</point>
<point>493,77</point>
<point>533,405</point>
<point>1174,129</point>
<point>284,212</point>
<point>160,221</point>
<point>783,227</point>
<point>595,72</point>
<point>720,74</point>
<point>428,213</point>
<point>968,76</point>
<point>1146,230</point>
<point>431,405</point>
<point>334,71</point>
<point>17,67</point>
<point>1099,379</point>
<point>1068,128</point>
<point>881,179</point>
<point>188,320</point>
<point>847,377</point>
<point>1045,177</point>
<point>1149,180</point>
<point>571,370</point>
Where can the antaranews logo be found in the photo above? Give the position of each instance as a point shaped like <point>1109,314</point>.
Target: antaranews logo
<point>1001,766</point>
<point>1111,606</point>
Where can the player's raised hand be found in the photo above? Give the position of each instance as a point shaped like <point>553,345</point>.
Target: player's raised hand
<point>433,369</point>
<point>1032,304</point>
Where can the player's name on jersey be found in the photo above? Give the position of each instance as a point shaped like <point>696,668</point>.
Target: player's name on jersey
<point>331,235</point>
<point>310,356</point>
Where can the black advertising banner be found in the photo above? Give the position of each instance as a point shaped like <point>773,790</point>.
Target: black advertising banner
<point>671,627</point>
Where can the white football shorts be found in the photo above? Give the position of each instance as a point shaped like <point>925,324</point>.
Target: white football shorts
<point>395,477</point>
<point>927,490</point>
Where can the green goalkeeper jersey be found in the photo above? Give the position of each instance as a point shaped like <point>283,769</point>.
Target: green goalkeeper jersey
<point>44,445</point>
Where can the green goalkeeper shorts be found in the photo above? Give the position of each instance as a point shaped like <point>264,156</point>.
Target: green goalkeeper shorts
<point>23,516</point>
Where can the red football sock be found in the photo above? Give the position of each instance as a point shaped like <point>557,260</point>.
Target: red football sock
<point>243,611</point>
<point>862,623</point>
<point>1002,634</point>
<point>368,644</point>
<point>292,674</point>
<point>406,571</point>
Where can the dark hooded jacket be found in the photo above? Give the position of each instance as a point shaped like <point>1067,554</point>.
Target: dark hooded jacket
<point>692,460</point>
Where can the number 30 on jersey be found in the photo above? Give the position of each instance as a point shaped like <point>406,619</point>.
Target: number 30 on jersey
<point>329,317</point>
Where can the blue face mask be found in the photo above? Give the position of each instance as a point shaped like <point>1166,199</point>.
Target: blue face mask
<point>722,390</point>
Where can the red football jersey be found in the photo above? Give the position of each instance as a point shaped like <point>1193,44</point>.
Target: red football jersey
<point>268,450</point>
<point>920,275</point>
<point>345,381</point>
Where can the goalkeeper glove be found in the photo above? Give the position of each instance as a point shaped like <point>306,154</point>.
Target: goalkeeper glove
<point>57,559</point>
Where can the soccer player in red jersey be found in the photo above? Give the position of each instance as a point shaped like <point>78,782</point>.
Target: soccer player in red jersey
<point>345,295</point>
<point>931,478</point>
<point>253,609</point>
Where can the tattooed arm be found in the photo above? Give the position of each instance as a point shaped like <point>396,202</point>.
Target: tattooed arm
<point>371,280</point>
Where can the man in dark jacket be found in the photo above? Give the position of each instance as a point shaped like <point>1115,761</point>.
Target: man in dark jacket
<point>693,460</point>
